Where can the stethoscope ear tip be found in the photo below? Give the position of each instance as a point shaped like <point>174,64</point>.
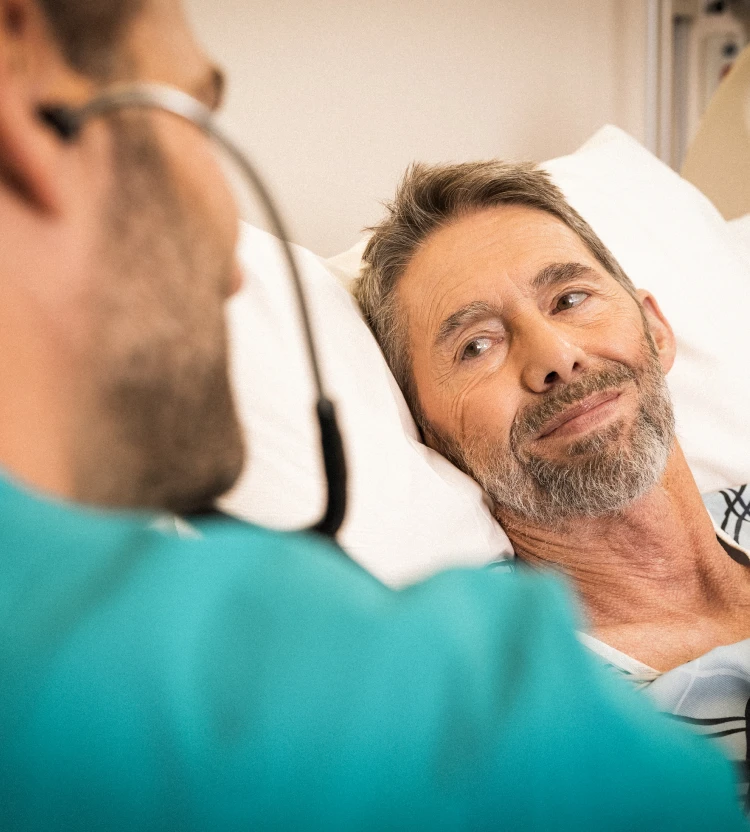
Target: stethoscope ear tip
<point>62,120</point>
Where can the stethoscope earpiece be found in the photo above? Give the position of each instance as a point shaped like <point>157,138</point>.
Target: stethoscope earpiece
<point>62,120</point>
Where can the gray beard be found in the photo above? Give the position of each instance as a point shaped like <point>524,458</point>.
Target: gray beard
<point>601,474</point>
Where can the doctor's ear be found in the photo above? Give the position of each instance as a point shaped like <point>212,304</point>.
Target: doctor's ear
<point>659,327</point>
<point>32,72</point>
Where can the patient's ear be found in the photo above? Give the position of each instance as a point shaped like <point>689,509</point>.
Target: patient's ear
<point>659,328</point>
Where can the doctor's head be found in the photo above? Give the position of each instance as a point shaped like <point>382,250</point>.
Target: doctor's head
<point>526,354</point>
<point>116,258</point>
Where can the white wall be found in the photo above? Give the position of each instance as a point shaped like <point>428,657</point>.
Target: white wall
<point>333,99</point>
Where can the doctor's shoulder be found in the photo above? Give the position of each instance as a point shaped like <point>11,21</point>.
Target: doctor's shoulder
<point>467,693</point>
<point>253,676</point>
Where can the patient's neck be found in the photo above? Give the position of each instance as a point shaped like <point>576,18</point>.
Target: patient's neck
<point>642,570</point>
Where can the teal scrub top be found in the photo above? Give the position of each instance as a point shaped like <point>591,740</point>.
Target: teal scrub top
<point>260,680</point>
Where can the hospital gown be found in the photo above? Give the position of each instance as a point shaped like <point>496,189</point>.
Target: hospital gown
<point>711,693</point>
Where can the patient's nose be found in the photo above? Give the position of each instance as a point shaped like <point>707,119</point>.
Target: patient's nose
<point>548,357</point>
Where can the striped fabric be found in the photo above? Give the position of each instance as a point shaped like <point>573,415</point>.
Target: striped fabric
<point>711,694</point>
<point>730,510</point>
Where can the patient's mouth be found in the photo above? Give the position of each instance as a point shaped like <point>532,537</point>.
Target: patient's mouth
<point>588,413</point>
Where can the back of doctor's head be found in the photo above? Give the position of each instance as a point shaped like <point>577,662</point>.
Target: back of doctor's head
<point>430,197</point>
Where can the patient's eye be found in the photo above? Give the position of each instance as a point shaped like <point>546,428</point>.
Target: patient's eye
<point>569,300</point>
<point>475,348</point>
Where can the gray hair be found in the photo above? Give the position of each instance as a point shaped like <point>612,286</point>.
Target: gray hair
<point>428,198</point>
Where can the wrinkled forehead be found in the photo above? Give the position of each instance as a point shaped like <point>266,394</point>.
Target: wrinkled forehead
<point>483,257</point>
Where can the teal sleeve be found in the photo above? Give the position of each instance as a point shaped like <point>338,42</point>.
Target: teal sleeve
<point>262,681</point>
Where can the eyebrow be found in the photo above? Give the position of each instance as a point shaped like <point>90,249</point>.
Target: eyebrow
<point>210,89</point>
<point>471,313</point>
<point>480,310</point>
<point>560,273</point>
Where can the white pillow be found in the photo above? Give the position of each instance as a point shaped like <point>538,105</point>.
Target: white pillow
<point>740,231</point>
<point>411,512</point>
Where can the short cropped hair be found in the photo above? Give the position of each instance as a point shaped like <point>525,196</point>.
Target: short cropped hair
<point>90,32</point>
<point>428,198</point>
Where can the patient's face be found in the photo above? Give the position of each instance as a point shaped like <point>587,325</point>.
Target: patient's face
<point>533,366</point>
<point>167,435</point>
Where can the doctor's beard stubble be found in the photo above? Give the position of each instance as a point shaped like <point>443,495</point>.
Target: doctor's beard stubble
<point>165,432</point>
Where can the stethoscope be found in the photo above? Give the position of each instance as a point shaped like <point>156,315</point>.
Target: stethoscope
<point>68,122</point>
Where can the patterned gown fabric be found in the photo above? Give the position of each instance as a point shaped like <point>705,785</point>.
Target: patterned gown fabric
<point>711,694</point>
<point>730,510</point>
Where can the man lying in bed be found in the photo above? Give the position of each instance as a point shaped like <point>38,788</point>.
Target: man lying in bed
<point>532,362</point>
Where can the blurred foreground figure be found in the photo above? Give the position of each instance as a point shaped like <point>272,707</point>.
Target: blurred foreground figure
<point>249,678</point>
